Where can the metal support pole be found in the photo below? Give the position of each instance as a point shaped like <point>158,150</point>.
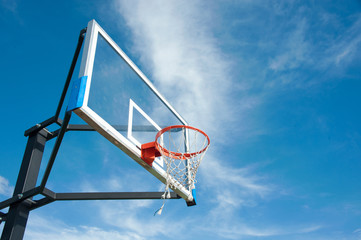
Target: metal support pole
<point>55,150</point>
<point>18,214</point>
<point>22,201</point>
<point>70,73</point>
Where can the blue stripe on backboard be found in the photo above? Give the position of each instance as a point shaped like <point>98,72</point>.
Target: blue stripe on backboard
<point>77,94</point>
<point>194,195</point>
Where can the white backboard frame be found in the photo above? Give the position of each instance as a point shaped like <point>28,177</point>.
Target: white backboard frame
<point>126,144</point>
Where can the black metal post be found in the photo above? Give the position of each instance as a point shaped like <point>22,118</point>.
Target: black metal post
<point>22,201</point>
<point>19,212</point>
<point>55,150</point>
<point>70,73</point>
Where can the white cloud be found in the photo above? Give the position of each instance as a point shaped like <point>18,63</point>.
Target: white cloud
<point>138,219</point>
<point>239,230</point>
<point>10,5</point>
<point>295,49</point>
<point>231,190</point>
<point>222,175</point>
<point>174,39</point>
<point>126,227</point>
<point>344,49</point>
<point>186,64</point>
<point>5,188</point>
<point>47,228</point>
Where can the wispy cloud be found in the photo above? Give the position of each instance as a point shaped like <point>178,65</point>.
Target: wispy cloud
<point>5,188</point>
<point>295,49</point>
<point>234,187</point>
<point>134,228</point>
<point>10,5</point>
<point>239,230</point>
<point>48,228</point>
<point>344,48</point>
<point>134,220</point>
<point>183,58</point>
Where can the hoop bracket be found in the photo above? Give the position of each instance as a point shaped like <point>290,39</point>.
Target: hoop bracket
<point>149,152</point>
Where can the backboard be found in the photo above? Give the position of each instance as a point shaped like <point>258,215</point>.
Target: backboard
<point>114,97</point>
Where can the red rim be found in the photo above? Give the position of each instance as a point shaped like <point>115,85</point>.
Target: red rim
<point>176,155</point>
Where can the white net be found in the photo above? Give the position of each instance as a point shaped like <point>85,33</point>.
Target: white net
<point>182,149</point>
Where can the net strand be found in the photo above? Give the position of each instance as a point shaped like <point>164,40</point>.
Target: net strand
<point>182,158</point>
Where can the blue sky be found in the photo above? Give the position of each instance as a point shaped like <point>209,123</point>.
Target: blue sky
<point>276,84</point>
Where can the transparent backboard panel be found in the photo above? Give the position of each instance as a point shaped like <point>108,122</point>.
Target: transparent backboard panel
<point>114,97</point>
<point>113,88</point>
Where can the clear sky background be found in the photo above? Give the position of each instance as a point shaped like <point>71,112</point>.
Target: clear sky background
<point>276,84</point>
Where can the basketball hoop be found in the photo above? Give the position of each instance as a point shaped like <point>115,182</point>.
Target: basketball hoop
<point>182,148</point>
